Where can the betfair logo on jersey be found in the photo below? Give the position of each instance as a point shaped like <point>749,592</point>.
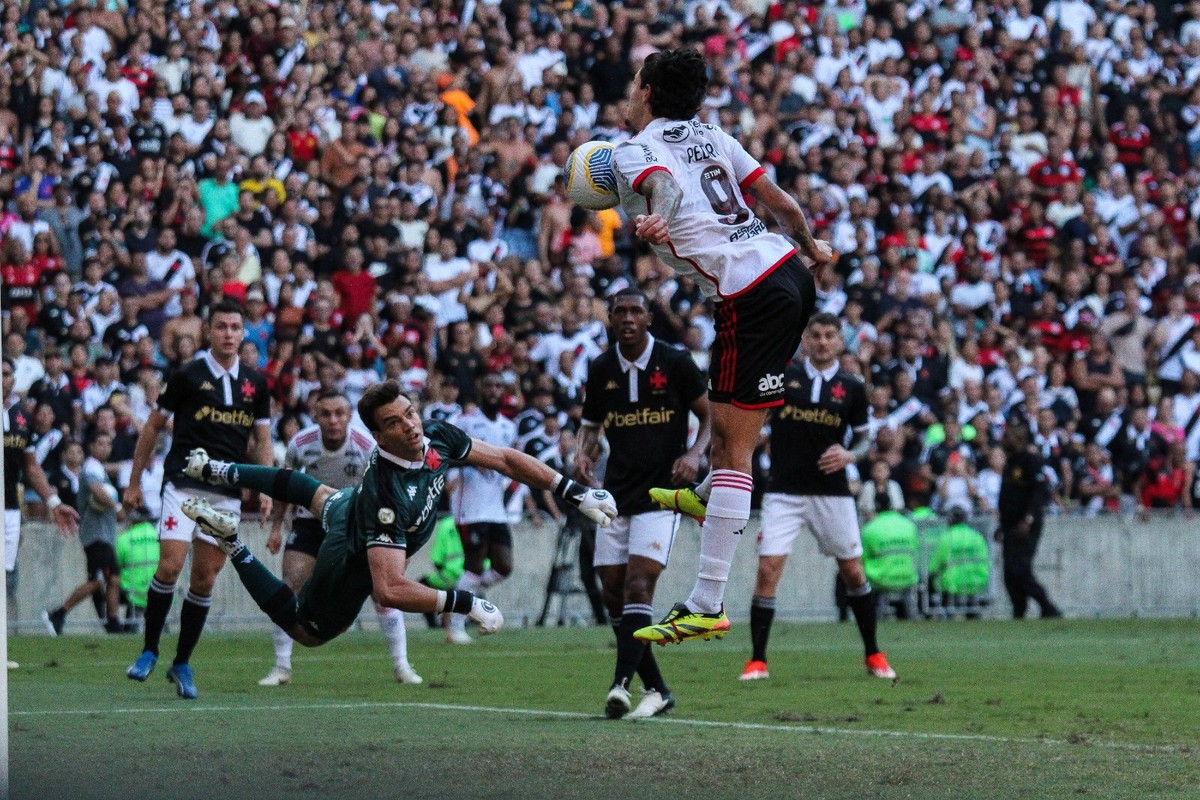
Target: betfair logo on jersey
<point>770,383</point>
<point>816,416</point>
<point>643,416</point>
<point>15,442</point>
<point>238,417</point>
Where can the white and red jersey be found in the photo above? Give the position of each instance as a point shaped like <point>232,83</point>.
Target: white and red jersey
<point>337,468</point>
<point>479,495</point>
<point>714,236</point>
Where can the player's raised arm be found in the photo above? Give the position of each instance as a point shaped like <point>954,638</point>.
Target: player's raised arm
<point>596,504</point>
<point>787,211</point>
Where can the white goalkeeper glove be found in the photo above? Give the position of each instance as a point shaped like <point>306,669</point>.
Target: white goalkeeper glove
<point>595,504</point>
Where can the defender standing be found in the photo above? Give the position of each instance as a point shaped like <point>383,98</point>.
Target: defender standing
<point>639,393</point>
<point>684,182</point>
<point>824,407</point>
<point>225,407</point>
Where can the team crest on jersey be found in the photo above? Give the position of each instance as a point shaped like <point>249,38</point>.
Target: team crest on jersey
<point>676,133</point>
<point>432,459</point>
<point>19,419</point>
<point>387,516</point>
<point>658,381</point>
<point>412,493</point>
<point>247,390</point>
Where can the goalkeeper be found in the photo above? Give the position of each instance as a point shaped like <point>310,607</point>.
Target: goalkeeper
<point>372,528</point>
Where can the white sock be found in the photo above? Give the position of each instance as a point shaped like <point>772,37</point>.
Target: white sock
<point>283,648</point>
<point>471,582</point>
<point>728,513</point>
<point>391,622</point>
<point>704,490</point>
<point>490,578</point>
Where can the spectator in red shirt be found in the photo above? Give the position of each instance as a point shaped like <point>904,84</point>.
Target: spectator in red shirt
<point>356,287</point>
<point>1054,171</point>
<point>1131,138</point>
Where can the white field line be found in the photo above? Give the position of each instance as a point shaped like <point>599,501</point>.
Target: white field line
<point>532,712</point>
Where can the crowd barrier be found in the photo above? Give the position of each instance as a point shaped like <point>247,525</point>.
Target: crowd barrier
<point>1098,567</point>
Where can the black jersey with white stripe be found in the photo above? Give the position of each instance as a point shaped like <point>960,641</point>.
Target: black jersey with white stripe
<point>214,412</point>
<point>646,424</point>
<point>18,440</point>
<point>819,410</point>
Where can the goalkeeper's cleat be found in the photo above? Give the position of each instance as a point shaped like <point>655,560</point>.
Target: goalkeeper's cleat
<point>142,668</point>
<point>653,704</point>
<point>682,623</point>
<point>681,501</point>
<point>221,525</point>
<point>185,684</point>
<point>877,665</point>
<point>278,676</point>
<point>487,616</point>
<point>755,671</point>
<point>406,674</point>
<point>617,704</point>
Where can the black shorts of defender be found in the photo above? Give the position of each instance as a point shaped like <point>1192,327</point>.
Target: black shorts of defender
<point>478,534</point>
<point>306,537</point>
<point>758,332</point>
<point>101,561</point>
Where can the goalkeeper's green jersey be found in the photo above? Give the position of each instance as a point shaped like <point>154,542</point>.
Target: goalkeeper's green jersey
<point>961,561</point>
<point>890,551</point>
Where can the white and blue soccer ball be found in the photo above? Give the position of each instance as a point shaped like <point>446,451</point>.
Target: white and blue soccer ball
<point>591,177</point>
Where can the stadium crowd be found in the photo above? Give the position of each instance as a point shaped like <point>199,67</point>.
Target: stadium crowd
<point>1012,186</point>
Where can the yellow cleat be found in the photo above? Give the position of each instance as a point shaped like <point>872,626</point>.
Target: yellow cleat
<point>681,501</point>
<point>682,624</point>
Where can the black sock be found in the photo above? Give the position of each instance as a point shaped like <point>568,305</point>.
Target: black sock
<point>158,603</point>
<point>99,601</point>
<point>863,606</point>
<point>649,672</point>
<point>629,649</point>
<point>191,624</point>
<point>762,614</point>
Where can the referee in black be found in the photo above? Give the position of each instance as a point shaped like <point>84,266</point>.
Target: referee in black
<point>824,412</point>
<point>224,407</point>
<point>639,393</point>
<point>1024,491</point>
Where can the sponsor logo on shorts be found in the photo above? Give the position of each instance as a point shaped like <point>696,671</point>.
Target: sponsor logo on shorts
<point>770,383</point>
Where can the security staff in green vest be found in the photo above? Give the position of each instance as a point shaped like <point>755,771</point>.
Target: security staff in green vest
<point>960,566</point>
<point>890,550</point>
<point>137,557</point>
<point>446,557</point>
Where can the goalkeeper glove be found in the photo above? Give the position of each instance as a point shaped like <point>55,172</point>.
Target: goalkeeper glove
<point>595,504</point>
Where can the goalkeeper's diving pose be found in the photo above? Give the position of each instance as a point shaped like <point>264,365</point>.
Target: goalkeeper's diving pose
<point>371,528</point>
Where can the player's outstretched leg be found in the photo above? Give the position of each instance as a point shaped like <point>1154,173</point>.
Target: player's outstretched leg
<point>682,501</point>
<point>281,484</point>
<point>272,595</point>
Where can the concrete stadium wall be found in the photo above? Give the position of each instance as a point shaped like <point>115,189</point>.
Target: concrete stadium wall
<point>1111,567</point>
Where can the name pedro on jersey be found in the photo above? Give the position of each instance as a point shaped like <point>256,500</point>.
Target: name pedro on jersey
<point>238,417</point>
<point>643,416</point>
<point>817,416</point>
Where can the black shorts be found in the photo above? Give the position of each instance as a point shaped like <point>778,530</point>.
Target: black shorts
<point>101,561</point>
<point>306,536</point>
<point>478,534</point>
<point>758,332</point>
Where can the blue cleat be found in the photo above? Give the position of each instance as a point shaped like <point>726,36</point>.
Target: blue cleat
<point>181,676</point>
<point>142,668</point>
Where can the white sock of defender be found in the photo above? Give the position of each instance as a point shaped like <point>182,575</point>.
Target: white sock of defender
<point>471,582</point>
<point>704,490</point>
<point>283,648</point>
<point>728,513</point>
<point>490,578</point>
<point>391,622</point>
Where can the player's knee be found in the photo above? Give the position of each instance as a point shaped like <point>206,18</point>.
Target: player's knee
<point>639,589</point>
<point>168,572</point>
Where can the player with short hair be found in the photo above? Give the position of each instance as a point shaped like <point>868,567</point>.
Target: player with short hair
<point>824,408</point>
<point>639,394</point>
<point>685,183</point>
<point>373,527</point>
<point>477,503</point>
<point>335,453</point>
<point>219,404</point>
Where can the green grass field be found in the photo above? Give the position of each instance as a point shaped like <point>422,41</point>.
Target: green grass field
<point>981,710</point>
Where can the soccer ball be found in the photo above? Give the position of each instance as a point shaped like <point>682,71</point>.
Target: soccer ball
<point>111,491</point>
<point>591,178</point>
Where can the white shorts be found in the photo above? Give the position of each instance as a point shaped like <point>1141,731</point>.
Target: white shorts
<point>833,521</point>
<point>174,526</point>
<point>648,535</point>
<point>12,537</point>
